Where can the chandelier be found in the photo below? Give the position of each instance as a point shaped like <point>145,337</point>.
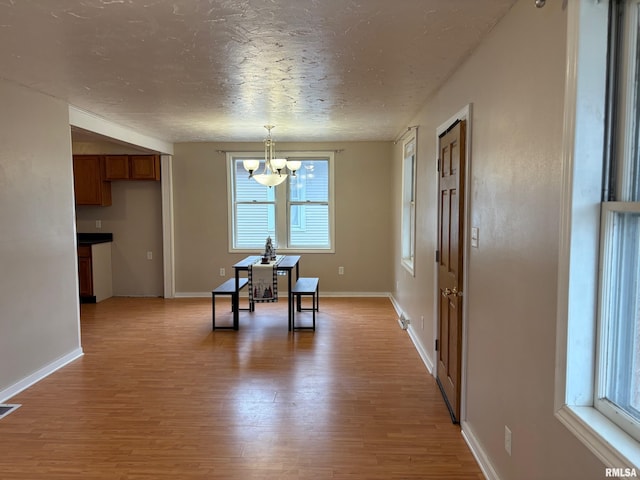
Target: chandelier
<point>272,174</point>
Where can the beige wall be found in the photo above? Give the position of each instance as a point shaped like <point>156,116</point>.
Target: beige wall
<point>135,219</point>
<point>515,81</point>
<point>39,315</point>
<point>363,228</point>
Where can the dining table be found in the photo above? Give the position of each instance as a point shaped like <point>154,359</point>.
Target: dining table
<point>285,264</point>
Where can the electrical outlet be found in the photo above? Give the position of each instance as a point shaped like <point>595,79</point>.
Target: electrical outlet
<point>340,270</point>
<point>222,272</point>
<point>98,223</point>
<point>149,255</point>
<point>507,440</point>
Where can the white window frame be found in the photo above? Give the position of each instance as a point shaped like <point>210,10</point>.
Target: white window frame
<point>576,348</point>
<point>608,316</point>
<point>282,203</point>
<point>408,204</point>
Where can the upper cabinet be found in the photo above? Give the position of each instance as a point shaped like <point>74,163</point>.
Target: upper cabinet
<point>116,167</point>
<point>91,187</point>
<point>132,167</point>
<point>145,167</point>
<point>92,174</point>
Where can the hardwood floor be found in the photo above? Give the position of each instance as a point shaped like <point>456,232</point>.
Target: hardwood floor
<point>158,395</point>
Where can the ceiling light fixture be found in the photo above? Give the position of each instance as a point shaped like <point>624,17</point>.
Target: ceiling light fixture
<point>272,174</point>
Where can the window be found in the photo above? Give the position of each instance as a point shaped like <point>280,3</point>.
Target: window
<point>618,385</point>
<point>617,393</point>
<point>409,203</point>
<point>297,214</point>
<point>597,381</point>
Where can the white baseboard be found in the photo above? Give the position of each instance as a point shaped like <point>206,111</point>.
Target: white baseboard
<point>424,355</point>
<point>479,454</point>
<point>396,305</point>
<point>426,359</point>
<point>35,377</point>
<point>192,295</point>
<point>355,294</point>
<point>284,294</point>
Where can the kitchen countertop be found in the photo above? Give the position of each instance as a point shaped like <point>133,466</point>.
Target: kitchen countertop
<point>93,238</point>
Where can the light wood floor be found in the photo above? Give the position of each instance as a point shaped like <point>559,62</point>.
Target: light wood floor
<point>158,395</point>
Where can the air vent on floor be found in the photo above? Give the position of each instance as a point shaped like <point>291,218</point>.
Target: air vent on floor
<point>404,322</point>
<point>6,409</point>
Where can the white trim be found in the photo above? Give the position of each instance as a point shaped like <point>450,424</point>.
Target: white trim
<point>396,305</point>
<point>465,113</point>
<point>355,294</point>
<point>600,435</point>
<point>12,408</point>
<point>424,355</point>
<point>478,452</point>
<point>38,375</point>
<point>409,265</point>
<point>583,134</point>
<point>93,123</point>
<point>408,262</point>
<point>566,179</point>
<point>580,211</point>
<point>168,253</point>
<point>284,293</point>
<point>422,351</point>
<point>281,203</point>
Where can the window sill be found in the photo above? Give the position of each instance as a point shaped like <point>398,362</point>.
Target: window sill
<point>614,447</point>
<point>408,266</point>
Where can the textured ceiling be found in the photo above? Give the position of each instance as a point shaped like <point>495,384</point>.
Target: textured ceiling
<point>218,70</point>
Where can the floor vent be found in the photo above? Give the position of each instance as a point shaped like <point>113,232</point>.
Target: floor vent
<point>6,409</point>
<point>404,322</point>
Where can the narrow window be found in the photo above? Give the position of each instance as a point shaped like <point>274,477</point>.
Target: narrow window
<point>409,203</point>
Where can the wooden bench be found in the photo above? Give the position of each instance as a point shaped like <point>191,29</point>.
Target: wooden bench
<point>308,286</point>
<point>228,288</point>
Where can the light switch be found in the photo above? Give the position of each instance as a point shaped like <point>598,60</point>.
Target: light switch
<point>474,237</point>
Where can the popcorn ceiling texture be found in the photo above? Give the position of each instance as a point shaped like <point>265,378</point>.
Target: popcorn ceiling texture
<point>196,70</point>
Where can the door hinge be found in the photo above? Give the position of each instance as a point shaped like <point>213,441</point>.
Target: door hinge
<point>437,256</point>
<point>436,344</point>
<point>438,165</point>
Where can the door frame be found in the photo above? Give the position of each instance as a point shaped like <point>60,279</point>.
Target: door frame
<point>463,114</point>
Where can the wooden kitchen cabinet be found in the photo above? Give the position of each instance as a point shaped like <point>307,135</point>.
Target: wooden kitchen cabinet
<point>89,183</point>
<point>94,272</point>
<point>116,167</point>
<point>85,273</point>
<point>144,167</point>
<point>132,167</point>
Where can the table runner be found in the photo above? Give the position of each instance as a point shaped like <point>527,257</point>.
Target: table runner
<point>263,282</point>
